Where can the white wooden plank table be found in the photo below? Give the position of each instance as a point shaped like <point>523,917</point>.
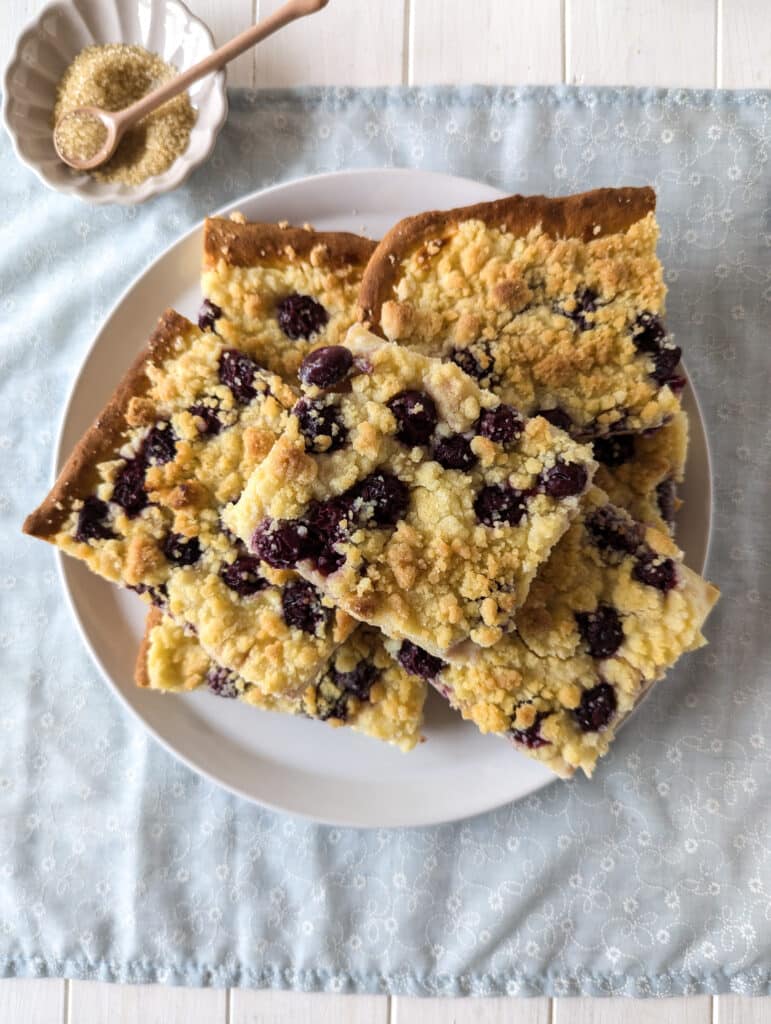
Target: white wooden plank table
<point>599,42</point>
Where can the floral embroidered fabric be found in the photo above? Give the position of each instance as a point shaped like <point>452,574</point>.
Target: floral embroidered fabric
<point>651,879</point>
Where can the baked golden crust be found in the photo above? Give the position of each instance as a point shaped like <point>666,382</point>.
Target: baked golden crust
<point>78,474</point>
<point>141,673</point>
<point>587,215</point>
<point>361,687</point>
<point>553,304</point>
<point>250,269</point>
<point>254,243</point>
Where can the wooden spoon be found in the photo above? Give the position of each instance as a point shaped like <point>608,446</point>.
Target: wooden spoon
<point>116,123</point>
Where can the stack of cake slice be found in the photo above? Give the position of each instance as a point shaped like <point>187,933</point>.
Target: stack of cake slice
<point>475,490</point>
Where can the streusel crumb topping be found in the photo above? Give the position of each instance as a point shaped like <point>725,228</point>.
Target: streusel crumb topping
<point>560,325</point>
<point>283,301</point>
<point>612,609</point>
<point>206,418</point>
<point>430,505</point>
<point>361,686</point>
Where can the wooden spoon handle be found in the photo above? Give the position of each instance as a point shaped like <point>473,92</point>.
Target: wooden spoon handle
<point>290,11</point>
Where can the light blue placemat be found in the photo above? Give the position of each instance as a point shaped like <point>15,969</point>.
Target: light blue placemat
<point>118,863</point>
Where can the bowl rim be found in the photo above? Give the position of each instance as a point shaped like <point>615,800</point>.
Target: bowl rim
<point>153,186</point>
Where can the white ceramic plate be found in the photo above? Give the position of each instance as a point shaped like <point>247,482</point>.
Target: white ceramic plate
<point>291,764</point>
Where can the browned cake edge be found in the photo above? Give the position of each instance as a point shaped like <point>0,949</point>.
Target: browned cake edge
<point>588,215</point>
<point>253,243</point>
<point>100,440</point>
<point>141,675</point>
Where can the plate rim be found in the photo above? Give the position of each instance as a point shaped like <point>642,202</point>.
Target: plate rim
<point>65,563</point>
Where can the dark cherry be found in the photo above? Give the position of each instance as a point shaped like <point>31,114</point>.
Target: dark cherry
<point>281,543</point>
<point>564,479</point>
<point>160,445</point>
<point>601,630</point>
<point>648,333</point>
<point>327,707</point>
<point>320,419</point>
<point>382,498</point>
<point>300,316</point>
<point>531,737</point>
<point>649,336</point>
<point>609,529</point>
<point>501,425</point>
<point>586,302</point>
<point>329,561</point>
<point>468,362</point>
<point>454,452</point>
<point>302,608</point>
<point>500,503</point>
<point>415,415</point>
<point>181,550</point>
<point>208,419</point>
<point>158,595</point>
<point>557,417</point>
<point>588,431</point>
<point>328,522</point>
<point>326,366</point>
<point>655,571</point>
<point>418,662</point>
<point>208,315</point>
<point>614,451</point>
<point>129,489</point>
<point>666,498</point>
<point>664,363</point>
<point>91,524</point>
<point>597,707</point>
<point>243,576</point>
<point>358,681</point>
<point>237,371</point>
<point>331,517</point>
<point>221,682</point>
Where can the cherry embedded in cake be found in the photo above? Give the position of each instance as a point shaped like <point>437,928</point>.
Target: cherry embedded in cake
<point>360,687</point>
<point>431,518</point>
<point>554,304</point>
<point>601,624</point>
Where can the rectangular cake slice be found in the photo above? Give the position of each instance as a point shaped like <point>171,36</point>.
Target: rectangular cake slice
<point>610,612</point>
<point>361,687</point>
<point>556,305</point>
<point>140,501</point>
<point>414,500</point>
<point>284,288</point>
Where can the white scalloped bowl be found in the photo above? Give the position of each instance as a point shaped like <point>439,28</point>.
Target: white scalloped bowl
<point>48,45</point>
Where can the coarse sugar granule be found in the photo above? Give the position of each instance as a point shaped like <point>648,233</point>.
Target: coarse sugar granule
<point>79,135</point>
<point>112,77</point>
